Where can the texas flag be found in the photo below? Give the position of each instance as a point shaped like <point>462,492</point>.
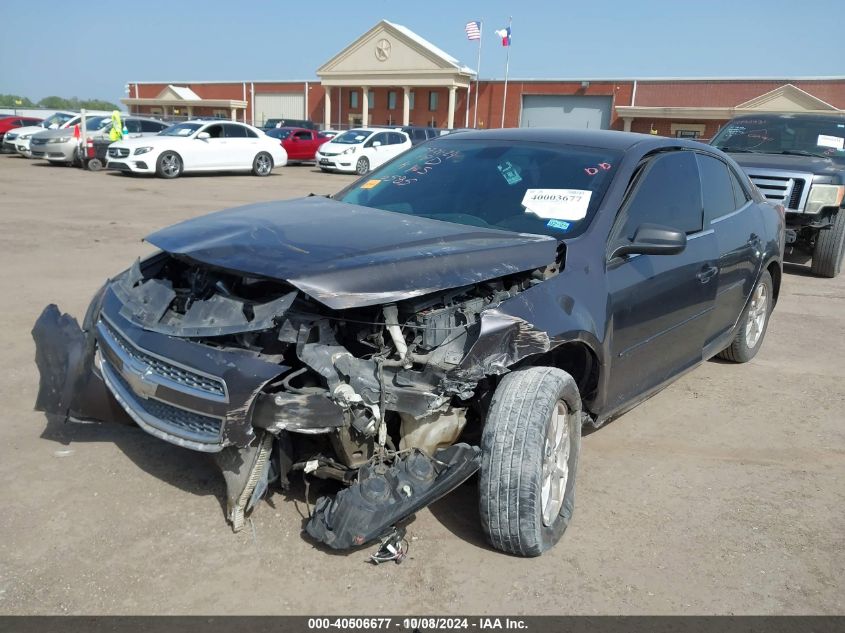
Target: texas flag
<point>505,34</point>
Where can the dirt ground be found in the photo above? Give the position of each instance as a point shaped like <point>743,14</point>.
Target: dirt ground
<point>724,494</point>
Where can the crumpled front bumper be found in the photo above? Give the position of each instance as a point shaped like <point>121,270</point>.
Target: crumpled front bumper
<point>186,393</point>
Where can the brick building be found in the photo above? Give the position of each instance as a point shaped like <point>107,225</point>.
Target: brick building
<point>390,75</point>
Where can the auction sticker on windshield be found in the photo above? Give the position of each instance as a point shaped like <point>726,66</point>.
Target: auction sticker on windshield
<point>557,204</point>
<point>836,142</point>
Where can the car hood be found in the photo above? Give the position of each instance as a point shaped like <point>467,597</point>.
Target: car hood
<point>811,164</point>
<point>349,256</point>
<point>64,132</point>
<point>30,129</point>
<point>338,148</point>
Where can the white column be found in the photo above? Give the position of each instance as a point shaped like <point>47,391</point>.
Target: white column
<point>327,105</point>
<point>627,123</point>
<point>365,105</point>
<point>190,112</point>
<point>406,105</point>
<point>450,123</point>
<point>234,115</point>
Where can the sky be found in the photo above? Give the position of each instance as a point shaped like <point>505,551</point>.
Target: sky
<point>192,40</point>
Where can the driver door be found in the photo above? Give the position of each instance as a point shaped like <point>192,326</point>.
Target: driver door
<point>660,305</point>
<point>378,154</point>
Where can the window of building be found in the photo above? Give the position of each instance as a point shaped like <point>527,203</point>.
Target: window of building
<point>371,98</point>
<point>411,100</point>
<point>391,99</point>
<point>353,99</point>
<point>687,130</point>
<point>433,100</point>
<point>221,114</point>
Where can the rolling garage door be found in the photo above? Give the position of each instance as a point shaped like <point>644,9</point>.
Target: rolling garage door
<point>566,111</point>
<point>279,105</point>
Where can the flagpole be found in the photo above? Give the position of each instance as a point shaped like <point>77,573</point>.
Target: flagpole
<point>478,72</point>
<point>507,68</point>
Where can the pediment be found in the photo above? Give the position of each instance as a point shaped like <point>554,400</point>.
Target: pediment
<point>786,98</point>
<point>388,48</point>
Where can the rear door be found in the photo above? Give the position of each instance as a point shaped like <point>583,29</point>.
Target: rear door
<point>731,213</point>
<point>660,304</point>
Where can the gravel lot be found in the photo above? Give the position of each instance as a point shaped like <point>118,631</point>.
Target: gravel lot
<point>725,493</point>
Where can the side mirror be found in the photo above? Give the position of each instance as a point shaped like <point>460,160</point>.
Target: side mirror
<point>376,143</point>
<point>203,136</point>
<point>654,239</point>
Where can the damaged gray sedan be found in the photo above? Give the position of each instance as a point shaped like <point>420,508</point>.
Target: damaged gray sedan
<point>469,305</point>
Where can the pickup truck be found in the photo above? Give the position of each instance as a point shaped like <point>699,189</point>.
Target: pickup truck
<point>798,161</point>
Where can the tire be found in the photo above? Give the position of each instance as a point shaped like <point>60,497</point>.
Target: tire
<point>169,165</point>
<point>753,323</point>
<point>830,247</point>
<point>519,514</point>
<point>95,164</point>
<point>325,170</point>
<point>362,166</point>
<point>262,165</point>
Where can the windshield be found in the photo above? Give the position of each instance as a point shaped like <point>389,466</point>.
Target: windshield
<point>352,137</point>
<point>181,129</point>
<point>784,135</point>
<point>514,186</point>
<point>56,120</point>
<point>96,122</point>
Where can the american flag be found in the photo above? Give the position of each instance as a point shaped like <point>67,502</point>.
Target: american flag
<point>473,30</point>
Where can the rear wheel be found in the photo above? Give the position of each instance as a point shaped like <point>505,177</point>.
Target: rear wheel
<point>262,165</point>
<point>753,323</point>
<point>530,447</point>
<point>362,166</point>
<point>169,165</point>
<point>830,247</point>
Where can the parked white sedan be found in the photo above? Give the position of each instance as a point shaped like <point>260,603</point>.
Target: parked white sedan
<point>361,149</point>
<point>199,146</point>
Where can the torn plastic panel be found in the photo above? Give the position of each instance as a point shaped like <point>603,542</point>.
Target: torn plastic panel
<point>385,494</point>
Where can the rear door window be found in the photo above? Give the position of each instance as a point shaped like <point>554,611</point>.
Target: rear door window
<point>235,131</point>
<point>716,187</point>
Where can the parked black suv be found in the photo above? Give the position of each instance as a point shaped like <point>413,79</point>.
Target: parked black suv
<point>797,160</point>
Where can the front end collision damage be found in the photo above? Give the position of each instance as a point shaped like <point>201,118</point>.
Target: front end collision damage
<point>272,382</point>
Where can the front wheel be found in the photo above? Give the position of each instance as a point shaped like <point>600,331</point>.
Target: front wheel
<point>95,164</point>
<point>362,166</point>
<point>830,247</point>
<point>530,447</point>
<point>169,165</point>
<point>752,323</point>
<point>262,165</point>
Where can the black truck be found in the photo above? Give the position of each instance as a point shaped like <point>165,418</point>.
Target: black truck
<point>798,161</point>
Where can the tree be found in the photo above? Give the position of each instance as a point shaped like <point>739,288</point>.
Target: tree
<point>75,103</point>
<point>11,101</point>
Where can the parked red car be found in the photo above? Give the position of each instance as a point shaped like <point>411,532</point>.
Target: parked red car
<point>11,122</point>
<point>300,143</point>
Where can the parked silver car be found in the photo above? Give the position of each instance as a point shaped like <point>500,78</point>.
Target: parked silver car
<point>62,147</point>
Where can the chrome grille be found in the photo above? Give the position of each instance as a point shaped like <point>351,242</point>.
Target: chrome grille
<point>38,141</point>
<point>781,187</point>
<point>181,423</point>
<point>322,153</point>
<point>163,369</point>
<point>118,152</point>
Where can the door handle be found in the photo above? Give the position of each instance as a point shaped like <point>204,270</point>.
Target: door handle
<point>707,273</point>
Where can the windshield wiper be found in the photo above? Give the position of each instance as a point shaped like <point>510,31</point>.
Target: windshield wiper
<point>738,150</point>
<point>798,152</point>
